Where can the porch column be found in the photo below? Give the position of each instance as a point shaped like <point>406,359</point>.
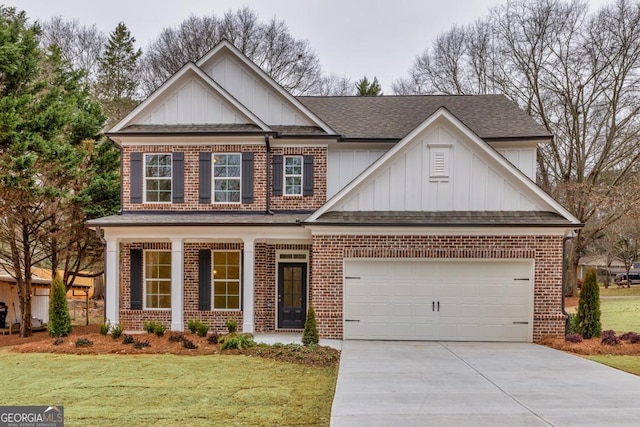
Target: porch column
<point>248,285</point>
<point>177,286</point>
<point>111,282</point>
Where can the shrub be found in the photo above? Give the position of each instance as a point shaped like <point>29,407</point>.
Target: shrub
<point>128,339</point>
<point>213,338</point>
<point>573,326</point>
<point>104,328</point>
<point>116,331</point>
<point>59,319</point>
<point>232,325</point>
<point>58,341</point>
<point>588,316</point>
<point>238,341</point>
<point>159,329</point>
<point>632,337</point>
<point>193,325</point>
<point>176,338</point>
<point>310,334</point>
<point>574,338</point>
<point>609,338</point>
<point>187,343</point>
<point>83,342</point>
<point>202,330</point>
<point>140,344</point>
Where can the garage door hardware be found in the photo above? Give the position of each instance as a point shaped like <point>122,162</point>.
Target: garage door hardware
<point>433,306</point>
<point>522,278</point>
<point>351,277</point>
<point>520,323</point>
<point>351,320</point>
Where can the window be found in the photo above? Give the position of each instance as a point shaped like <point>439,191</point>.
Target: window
<point>157,279</point>
<point>157,178</point>
<point>226,280</point>
<point>226,178</point>
<point>293,175</point>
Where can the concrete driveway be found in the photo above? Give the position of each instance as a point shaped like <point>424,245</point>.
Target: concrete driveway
<point>383,383</point>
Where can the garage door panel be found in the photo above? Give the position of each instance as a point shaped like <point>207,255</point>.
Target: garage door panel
<point>479,300</point>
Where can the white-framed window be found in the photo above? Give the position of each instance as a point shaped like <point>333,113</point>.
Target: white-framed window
<point>227,177</point>
<point>157,279</point>
<point>293,175</point>
<point>157,178</point>
<point>226,280</point>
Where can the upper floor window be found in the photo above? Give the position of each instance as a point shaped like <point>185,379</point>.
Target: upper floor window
<point>157,178</point>
<point>157,279</point>
<point>293,175</point>
<point>226,178</point>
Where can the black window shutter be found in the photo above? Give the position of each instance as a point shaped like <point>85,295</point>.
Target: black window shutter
<point>204,280</point>
<point>178,177</point>
<point>277,175</point>
<point>247,177</point>
<point>135,175</point>
<point>205,177</point>
<point>135,277</point>
<point>307,176</point>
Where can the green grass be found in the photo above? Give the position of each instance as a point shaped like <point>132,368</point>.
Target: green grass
<point>614,291</point>
<point>169,390</point>
<point>621,315</point>
<point>624,363</point>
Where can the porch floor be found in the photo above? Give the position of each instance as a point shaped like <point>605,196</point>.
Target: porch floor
<point>291,338</point>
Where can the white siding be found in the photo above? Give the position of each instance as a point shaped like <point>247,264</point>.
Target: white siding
<point>39,302</point>
<point>477,182</point>
<point>523,158</point>
<point>193,103</point>
<point>254,93</point>
<point>343,165</point>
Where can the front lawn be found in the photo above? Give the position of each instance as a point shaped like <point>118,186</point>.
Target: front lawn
<point>624,363</point>
<point>169,390</point>
<point>621,315</point>
<point>615,291</point>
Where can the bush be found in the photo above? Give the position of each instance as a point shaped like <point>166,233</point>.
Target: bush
<point>128,339</point>
<point>58,341</point>
<point>238,341</point>
<point>83,342</point>
<point>202,330</point>
<point>213,338</point>
<point>104,328</point>
<point>116,331</point>
<point>609,338</point>
<point>573,326</point>
<point>574,338</point>
<point>232,325</point>
<point>140,344</point>
<point>187,343</point>
<point>59,319</point>
<point>588,316</point>
<point>176,338</point>
<point>194,324</point>
<point>159,329</point>
<point>632,337</point>
<point>153,327</point>
<point>310,334</point>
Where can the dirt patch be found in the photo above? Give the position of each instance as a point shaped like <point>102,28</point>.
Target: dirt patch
<point>571,301</point>
<point>592,346</point>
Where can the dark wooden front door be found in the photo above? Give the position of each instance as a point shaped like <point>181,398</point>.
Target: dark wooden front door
<point>292,295</point>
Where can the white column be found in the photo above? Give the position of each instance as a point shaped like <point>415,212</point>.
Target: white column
<point>111,282</point>
<point>177,286</point>
<point>248,278</point>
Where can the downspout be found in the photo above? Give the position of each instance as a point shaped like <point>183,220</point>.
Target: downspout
<point>104,273</point>
<point>268,161</point>
<point>564,280</point>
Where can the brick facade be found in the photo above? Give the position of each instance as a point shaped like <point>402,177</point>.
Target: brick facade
<point>329,252</point>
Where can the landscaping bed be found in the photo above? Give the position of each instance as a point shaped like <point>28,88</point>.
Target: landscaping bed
<point>592,346</point>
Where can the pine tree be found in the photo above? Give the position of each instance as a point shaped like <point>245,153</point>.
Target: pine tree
<point>117,84</point>
<point>588,316</point>
<point>310,334</point>
<point>59,319</point>
<point>364,88</point>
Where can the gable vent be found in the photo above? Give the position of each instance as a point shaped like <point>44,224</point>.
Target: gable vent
<point>439,163</point>
<point>439,168</point>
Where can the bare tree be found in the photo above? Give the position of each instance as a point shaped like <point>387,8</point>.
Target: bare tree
<point>577,74</point>
<point>289,61</point>
<point>335,85</point>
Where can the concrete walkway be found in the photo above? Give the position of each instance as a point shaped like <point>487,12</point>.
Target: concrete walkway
<point>384,383</point>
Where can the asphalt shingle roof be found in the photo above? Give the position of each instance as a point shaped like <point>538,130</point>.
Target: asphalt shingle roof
<point>132,218</point>
<point>393,117</point>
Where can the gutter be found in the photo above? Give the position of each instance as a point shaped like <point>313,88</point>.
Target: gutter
<point>268,161</point>
<point>104,269</point>
<point>564,280</point>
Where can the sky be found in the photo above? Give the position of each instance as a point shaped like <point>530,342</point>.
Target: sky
<point>352,38</point>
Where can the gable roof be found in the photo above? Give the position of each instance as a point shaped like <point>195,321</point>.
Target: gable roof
<point>387,159</point>
<point>491,117</point>
<point>189,67</point>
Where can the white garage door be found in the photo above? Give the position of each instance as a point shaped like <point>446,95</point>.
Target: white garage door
<point>454,300</point>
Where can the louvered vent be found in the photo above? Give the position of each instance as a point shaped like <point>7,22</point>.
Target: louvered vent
<point>440,167</point>
<point>439,164</point>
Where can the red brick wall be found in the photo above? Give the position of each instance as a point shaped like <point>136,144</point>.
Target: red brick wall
<point>192,179</point>
<point>330,250</point>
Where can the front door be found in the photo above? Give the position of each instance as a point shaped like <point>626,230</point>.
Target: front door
<point>292,295</point>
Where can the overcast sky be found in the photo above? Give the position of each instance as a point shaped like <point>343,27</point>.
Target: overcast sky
<point>351,37</point>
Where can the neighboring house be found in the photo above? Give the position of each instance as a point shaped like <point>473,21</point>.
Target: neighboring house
<point>396,217</point>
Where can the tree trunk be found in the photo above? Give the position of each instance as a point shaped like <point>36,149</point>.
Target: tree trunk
<point>24,296</point>
<point>573,259</point>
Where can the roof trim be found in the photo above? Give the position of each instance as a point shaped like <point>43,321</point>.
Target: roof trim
<point>482,145</point>
<point>188,67</point>
<point>224,43</point>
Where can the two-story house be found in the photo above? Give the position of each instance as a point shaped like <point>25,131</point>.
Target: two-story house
<point>396,217</point>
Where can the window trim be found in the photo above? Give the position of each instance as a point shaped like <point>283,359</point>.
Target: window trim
<point>285,175</point>
<point>145,178</point>
<point>213,280</point>
<point>144,280</point>
<point>213,178</point>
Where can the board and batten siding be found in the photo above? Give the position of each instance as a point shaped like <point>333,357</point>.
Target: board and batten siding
<point>475,181</point>
<point>524,159</point>
<point>253,93</point>
<point>193,103</point>
<point>344,165</point>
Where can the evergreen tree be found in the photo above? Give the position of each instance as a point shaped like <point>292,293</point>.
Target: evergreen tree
<point>117,83</point>
<point>364,88</point>
<point>310,334</point>
<point>588,316</point>
<point>59,319</point>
